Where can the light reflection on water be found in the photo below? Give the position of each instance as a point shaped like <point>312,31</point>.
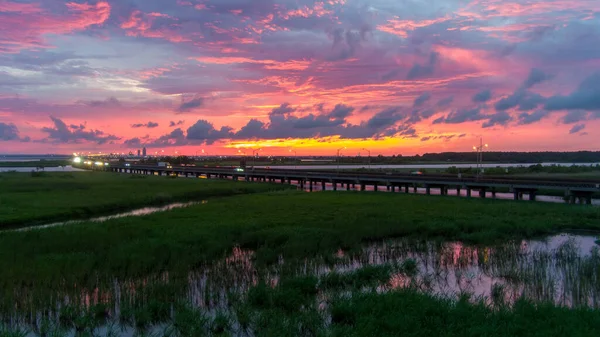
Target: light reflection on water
<point>136,212</point>
<point>562,269</point>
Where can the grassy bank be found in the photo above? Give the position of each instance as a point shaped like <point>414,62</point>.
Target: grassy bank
<point>294,224</point>
<point>39,198</point>
<point>40,163</point>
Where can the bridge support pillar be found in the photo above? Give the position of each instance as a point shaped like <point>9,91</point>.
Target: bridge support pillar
<point>482,193</point>
<point>362,187</point>
<point>406,189</point>
<point>375,187</point>
<point>347,187</point>
<point>532,195</point>
<point>415,189</point>
<point>335,186</point>
<point>494,192</point>
<point>310,184</point>
<point>393,188</point>
<point>323,185</point>
<point>387,187</point>
<point>458,191</point>
<point>301,184</point>
<point>427,190</point>
<point>469,192</point>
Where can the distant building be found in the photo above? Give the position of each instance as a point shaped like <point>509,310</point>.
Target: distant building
<point>144,151</point>
<point>139,153</point>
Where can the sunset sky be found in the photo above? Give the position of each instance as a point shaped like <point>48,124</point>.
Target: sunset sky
<point>391,76</point>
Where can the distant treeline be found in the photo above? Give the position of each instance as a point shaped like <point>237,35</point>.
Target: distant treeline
<point>512,157</point>
<point>445,157</point>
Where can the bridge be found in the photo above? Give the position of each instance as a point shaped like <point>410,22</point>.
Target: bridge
<point>575,190</point>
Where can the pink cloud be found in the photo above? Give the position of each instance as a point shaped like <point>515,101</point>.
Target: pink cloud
<point>140,24</point>
<point>27,29</point>
<point>401,28</point>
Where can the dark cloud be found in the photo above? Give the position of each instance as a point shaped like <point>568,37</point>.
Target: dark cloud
<point>461,116</point>
<point>283,109</point>
<point>174,124</point>
<point>340,111</point>
<point>445,138</point>
<point>110,102</point>
<point>499,118</point>
<point>577,128</point>
<point>575,116</point>
<point>61,133</point>
<point>385,118</point>
<point>133,143</point>
<point>585,97</point>
<point>530,118</point>
<point>149,125</point>
<point>190,105</point>
<point>535,76</point>
<point>444,102</point>
<point>482,96</point>
<point>420,71</point>
<point>347,42</point>
<point>252,130</point>
<point>10,132</point>
<point>422,99</point>
<point>522,99</point>
<point>203,132</point>
<point>174,138</point>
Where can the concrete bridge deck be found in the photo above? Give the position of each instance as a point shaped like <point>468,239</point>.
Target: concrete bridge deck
<point>575,190</point>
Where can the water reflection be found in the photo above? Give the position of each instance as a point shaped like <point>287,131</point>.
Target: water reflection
<point>137,212</point>
<point>563,269</point>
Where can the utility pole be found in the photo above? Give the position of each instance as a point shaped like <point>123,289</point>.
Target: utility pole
<point>369,157</point>
<point>295,158</point>
<point>338,157</point>
<point>480,150</point>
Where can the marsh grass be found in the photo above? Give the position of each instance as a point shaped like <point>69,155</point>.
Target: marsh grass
<point>260,265</point>
<point>44,197</point>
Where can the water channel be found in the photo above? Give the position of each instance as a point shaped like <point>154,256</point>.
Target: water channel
<point>562,269</point>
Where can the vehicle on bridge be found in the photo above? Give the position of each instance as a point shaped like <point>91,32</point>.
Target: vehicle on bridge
<point>165,165</point>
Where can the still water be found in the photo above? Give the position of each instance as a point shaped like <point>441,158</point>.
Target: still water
<point>562,269</point>
<point>135,212</point>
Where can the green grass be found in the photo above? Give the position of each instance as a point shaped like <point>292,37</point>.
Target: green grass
<point>294,224</point>
<point>40,163</point>
<point>407,313</point>
<point>41,197</point>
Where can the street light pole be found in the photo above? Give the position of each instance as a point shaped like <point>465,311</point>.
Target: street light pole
<point>338,157</point>
<point>254,157</point>
<point>369,157</point>
<point>479,150</point>
<point>295,158</point>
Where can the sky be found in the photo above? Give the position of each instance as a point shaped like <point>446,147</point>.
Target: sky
<point>235,76</point>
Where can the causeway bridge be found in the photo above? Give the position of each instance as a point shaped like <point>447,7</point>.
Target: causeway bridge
<point>575,190</point>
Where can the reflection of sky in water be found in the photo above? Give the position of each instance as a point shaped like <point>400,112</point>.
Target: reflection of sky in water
<point>539,270</point>
<point>136,212</point>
